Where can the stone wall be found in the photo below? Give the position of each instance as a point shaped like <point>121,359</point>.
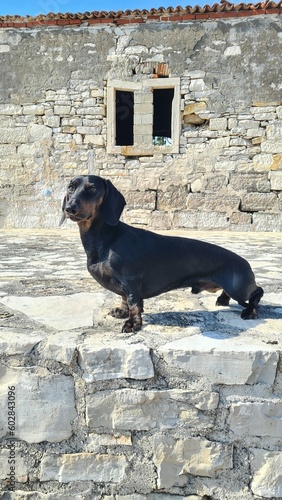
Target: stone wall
<point>53,121</point>
<point>194,418</point>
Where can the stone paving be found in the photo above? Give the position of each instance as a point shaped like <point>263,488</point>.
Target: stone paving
<point>45,287</point>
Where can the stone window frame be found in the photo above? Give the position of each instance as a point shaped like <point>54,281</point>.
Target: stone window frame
<point>143,116</point>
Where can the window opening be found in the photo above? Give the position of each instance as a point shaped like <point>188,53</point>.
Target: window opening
<point>162,116</point>
<point>124,118</point>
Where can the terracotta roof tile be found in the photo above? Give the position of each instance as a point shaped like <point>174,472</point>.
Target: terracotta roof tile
<point>222,9</point>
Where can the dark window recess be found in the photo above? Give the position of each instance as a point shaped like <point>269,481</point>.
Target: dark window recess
<point>124,118</point>
<point>162,106</point>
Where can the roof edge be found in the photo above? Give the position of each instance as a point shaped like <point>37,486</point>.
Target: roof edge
<point>223,10</point>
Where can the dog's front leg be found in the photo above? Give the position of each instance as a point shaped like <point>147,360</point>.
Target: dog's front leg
<point>135,307</point>
<point>122,311</point>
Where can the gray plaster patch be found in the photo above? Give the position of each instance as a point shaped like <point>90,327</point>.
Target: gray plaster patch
<point>60,312</point>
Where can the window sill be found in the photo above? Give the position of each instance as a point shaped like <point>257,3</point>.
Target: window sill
<point>142,150</point>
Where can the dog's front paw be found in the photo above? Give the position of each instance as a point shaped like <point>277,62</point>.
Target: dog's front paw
<point>118,312</point>
<point>131,326</point>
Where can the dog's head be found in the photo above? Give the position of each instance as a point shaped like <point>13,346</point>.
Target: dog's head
<point>89,197</point>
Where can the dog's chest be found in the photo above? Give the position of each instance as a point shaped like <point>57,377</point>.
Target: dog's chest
<point>102,273</point>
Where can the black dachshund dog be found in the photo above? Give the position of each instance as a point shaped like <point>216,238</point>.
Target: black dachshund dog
<point>137,264</point>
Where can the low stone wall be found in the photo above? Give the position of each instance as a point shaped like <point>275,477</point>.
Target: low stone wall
<point>194,418</point>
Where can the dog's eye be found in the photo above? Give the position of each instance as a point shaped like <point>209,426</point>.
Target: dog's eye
<point>91,187</point>
<point>71,188</point>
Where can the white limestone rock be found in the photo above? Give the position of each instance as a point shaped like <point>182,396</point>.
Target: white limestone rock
<point>83,467</point>
<point>177,457</point>
<point>96,440</point>
<point>131,409</point>
<point>258,418</point>
<point>223,360</point>
<point>61,347</point>
<point>266,467</point>
<point>44,404</point>
<point>20,468</point>
<point>116,360</point>
<point>15,341</point>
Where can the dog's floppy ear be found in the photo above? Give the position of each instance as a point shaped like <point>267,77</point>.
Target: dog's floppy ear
<point>63,209</point>
<point>112,204</point>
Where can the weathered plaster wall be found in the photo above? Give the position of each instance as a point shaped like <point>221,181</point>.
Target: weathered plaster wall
<point>53,108</point>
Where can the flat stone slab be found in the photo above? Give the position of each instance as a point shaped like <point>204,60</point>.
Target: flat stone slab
<point>228,360</point>
<point>65,312</point>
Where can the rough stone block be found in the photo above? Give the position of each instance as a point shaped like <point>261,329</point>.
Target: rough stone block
<point>223,360</point>
<point>195,456</point>
<point>160,220</point>
<point>62,110</point>
<point>56,347</point>
<point>97,140</point>
<point>138,217</point>
<point>200,220</point>
<point>257,418</point>
<point>194,107</point>
<point>174,197</point>
<point>45,405</point>
<point>33,109</point>
<point>6,462</point>
<point>141,199</point>
<point>267,222</point>
<point>211,220</point>
<point>130,409</point>
<point>52,121</point>
<point>241,219</point>
<point>263,162</point>
<point>276,180</point>
<point>96,440</point>
<point>265,117</point>
<point>266,467</point>
<point>117,360</point>
<point>10,109</point>
<point>274,146</point>
<point>214,182</point>
<point>83,467</point>
<point>209,202</point>
<point>197,85</point>
<point>276,162</point>
<point>39,133</point>
<point>218,123</point>
<point>250,183</point>
<point>14,341</point>
<point>13,135</point>
<point>7,150</point>
<point>274,131</point>
<point>257,202</point>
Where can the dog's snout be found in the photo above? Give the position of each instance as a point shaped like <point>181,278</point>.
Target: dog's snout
<point>71,208</point>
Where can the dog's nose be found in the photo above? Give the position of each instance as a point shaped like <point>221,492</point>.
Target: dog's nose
<point>71,208</point>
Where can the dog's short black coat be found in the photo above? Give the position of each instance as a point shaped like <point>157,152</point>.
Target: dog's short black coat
<point>138,264</point>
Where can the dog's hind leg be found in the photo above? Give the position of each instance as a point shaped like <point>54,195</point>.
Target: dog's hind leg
<point>251,311</point>
<point>223,299</point>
